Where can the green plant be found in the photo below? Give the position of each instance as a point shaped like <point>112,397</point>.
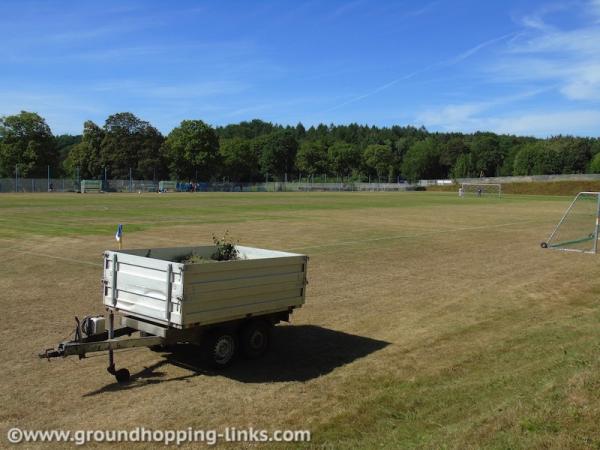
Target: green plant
<point>194,259</point>
<point>226,250</point>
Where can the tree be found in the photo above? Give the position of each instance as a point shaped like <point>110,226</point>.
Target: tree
<point>451,150</point>
<point>130,143</point>
<point>537,158</point>
<point>240,159</point>
<point>192,151</point>
<point>85,156</point>
<point>26,142</point>
<point>422,161</point>
<point>64,143</point>
<point>343,158</point>
<point>278,152</point>
<point>378,159</point>
<point>300,131</point>
<point>574,153</point>
<point>486,153</point>
<point>247,130</point>
<point>463,166</point>
<point>595,164</point>
<point>311,158</point>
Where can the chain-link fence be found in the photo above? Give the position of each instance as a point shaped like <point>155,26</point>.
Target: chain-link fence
<point>38,185</point>
<point>71,185</point>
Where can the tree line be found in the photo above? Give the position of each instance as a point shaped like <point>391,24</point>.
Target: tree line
<point>257,150</point>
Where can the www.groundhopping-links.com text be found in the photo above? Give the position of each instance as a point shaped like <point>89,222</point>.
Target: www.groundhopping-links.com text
<point>166,437</point>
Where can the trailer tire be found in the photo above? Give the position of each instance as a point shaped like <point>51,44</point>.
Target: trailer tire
<point>220,349</point>
<point>122,376</point>
<point>255,338</point>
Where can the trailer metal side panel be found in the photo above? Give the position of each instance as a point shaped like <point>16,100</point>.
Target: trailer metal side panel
<point>181,295</point>
<point>142,288</point>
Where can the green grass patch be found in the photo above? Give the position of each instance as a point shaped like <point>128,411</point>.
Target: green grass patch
<point>77,214</point>
<point>518,393</point>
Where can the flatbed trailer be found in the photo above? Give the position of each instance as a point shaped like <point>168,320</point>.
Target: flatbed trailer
<point>227,307</point>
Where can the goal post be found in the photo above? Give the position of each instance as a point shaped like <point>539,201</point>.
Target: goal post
<point>482,189</point>
<point>577,230</point>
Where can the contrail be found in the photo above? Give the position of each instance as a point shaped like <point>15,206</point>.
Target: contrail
<point>375,91</point>
<point>464,55</point>
<point>475,49</point>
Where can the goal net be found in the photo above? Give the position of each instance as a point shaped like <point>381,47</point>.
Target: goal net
<point>578,228</point>
<point>482,189</point>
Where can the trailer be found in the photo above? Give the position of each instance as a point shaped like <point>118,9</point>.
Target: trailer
<point>225,307</point>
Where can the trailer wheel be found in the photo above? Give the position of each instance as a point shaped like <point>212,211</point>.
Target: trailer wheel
<point>122,376</point>
<point>255,337</point>
<point>220,349</point>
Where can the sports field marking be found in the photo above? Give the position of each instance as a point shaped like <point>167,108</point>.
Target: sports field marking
<point>61,258</point>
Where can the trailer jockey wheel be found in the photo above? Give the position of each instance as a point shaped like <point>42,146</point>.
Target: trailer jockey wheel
<point>255,338</point>
<point>122,376</point>
<point>544,245</point>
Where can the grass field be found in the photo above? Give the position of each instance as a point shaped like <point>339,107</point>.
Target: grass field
<point>431,321</point>
<point>571,188</point>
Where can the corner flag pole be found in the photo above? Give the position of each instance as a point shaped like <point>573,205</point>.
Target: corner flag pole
<point>119,236</point>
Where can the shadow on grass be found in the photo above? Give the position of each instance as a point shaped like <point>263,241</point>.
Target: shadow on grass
<point>297,353</point>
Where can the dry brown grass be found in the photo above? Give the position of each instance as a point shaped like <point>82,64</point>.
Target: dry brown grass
<point>436,326</point>
<point>538,188</point>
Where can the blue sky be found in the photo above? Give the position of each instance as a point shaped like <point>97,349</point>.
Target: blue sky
<point>523,67</point>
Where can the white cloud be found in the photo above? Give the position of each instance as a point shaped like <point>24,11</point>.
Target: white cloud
<point>347,7</point>
<point>475,116</point>
<point>534,22</point>
<point>566,57</point>
<point>469,115</point>
<point>595,8</point>
<point>452,117</point>
<point>548,123</point>
<point>583,84</point>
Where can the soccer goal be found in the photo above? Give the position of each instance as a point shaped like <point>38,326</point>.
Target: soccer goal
<point>482,189</point>
<point>577,230</point>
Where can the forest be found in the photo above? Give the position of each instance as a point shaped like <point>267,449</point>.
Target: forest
<point>251,151</point>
